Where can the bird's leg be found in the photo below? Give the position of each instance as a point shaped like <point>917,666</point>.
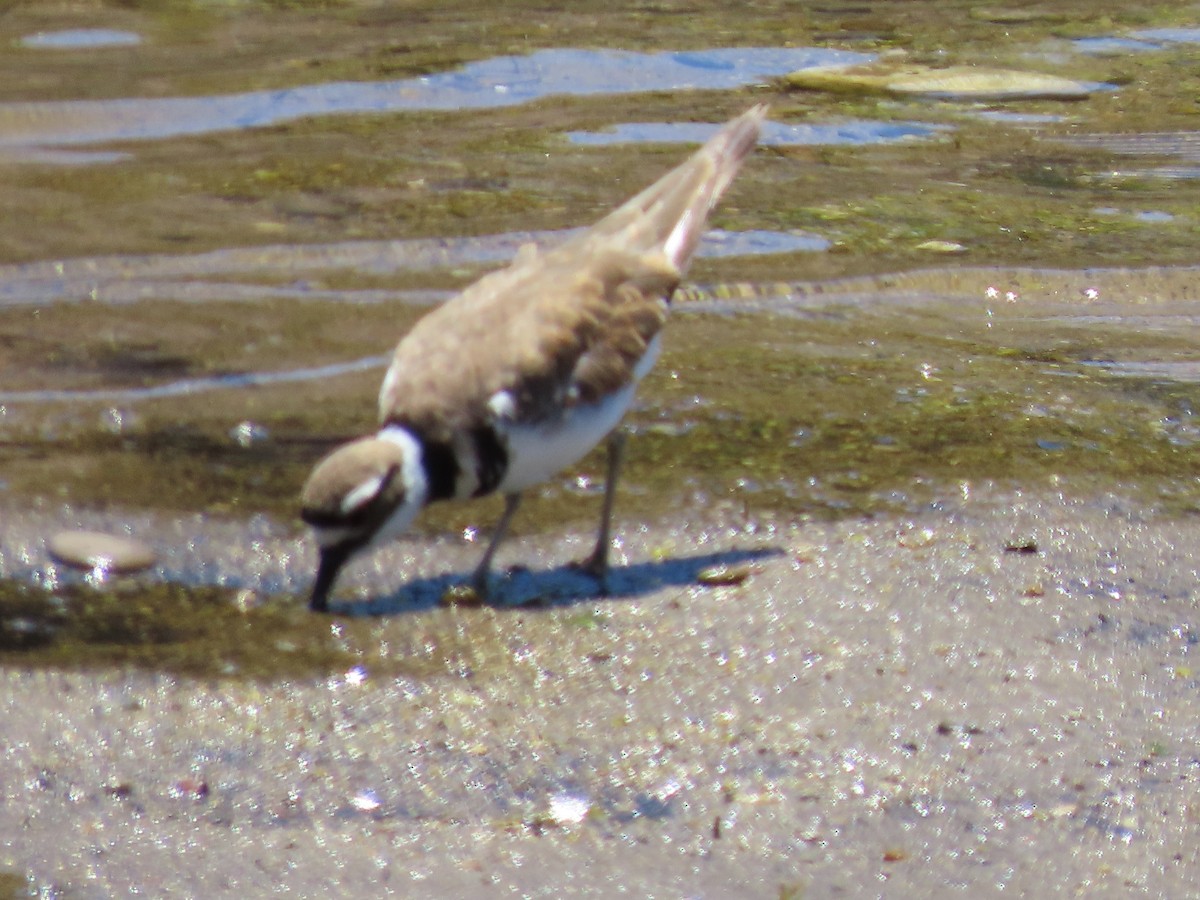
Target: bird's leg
<point>596,565</point>
<point>479,580</point>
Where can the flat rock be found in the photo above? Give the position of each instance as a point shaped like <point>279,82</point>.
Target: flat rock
<point>966,82</point>
<point>93,550</point>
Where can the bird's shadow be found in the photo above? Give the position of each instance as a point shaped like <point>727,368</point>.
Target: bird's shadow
<point>566,585</point>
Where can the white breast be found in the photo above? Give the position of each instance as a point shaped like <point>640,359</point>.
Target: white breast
<point>538,452</point>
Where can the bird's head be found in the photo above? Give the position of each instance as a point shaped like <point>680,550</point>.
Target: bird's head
<point>359,495</point>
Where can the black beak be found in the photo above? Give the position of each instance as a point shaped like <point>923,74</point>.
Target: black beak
<point>332,560</point>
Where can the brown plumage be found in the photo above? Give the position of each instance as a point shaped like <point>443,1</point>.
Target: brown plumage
<point>566,325</point>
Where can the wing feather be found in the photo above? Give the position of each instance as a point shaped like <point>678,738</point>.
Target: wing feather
<point>568,325</point>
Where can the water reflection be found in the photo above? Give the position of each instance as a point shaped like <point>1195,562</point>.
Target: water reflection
<point>1180,371</point>
<point>190,386</point>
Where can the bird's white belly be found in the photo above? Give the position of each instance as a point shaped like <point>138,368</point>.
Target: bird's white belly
<point>537,452</point>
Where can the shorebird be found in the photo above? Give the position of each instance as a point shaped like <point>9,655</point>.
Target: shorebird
<point>524,372</point>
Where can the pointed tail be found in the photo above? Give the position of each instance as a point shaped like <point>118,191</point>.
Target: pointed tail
<point>672,213</point>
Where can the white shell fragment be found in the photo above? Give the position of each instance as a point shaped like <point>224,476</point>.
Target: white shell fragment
<point>724,575</point>
<point>569,809</point>
<point>95,550</point>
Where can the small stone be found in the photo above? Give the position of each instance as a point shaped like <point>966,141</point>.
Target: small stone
<point>569,809</point>
<point>460,595</point>
<point>1025,547</point>
<point>247,434</point>
<point>189,789</point>
<point>247,599</point>
<point>806,553</point>
<point>95,551</point>
<point>723,576</point>
<point>914,538</point>
<point>1011,16</point>
<point>120,790</point>
<point>942,247</point>
<point>365,801</point>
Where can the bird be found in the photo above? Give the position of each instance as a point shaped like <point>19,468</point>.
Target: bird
<point>523,373</point>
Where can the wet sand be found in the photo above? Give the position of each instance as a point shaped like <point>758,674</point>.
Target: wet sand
<point>995,695</point>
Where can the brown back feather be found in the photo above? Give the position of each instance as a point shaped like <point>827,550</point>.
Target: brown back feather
<point>568,325</point>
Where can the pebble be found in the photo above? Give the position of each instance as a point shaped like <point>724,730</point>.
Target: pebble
<point>460,595</point>
<point>92,550</point>
<point>913,538</point>
<point>942,247</point>
<point>723,576</point>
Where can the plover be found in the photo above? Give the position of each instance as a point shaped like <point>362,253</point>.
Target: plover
<point>524,372</point>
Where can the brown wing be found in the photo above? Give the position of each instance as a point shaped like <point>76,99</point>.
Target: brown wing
<point>553,329</point>
<point>569,325</point>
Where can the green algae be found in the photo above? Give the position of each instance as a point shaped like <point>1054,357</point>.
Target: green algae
<point>14,885</point>
<point>828,413</point>
<point>824,422</point>
<point>217,632</point>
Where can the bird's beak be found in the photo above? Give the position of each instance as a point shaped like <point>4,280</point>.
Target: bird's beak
<point>333,558</point>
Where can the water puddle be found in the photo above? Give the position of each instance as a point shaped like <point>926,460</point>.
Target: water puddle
<point>81,39</point>
<point>28,129</point>
<point>775,134</point>
<point>1113,46</point>
<point>1017,118</point>
<point>717,243</point>
<point>1164,36</point>
<point>1147,40</point>
<point>1183,146</point>
<point>191,386</point>
<point>1183,372</point>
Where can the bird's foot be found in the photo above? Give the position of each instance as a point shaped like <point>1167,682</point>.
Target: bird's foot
<point>596,566</point>
<point>467,593</point>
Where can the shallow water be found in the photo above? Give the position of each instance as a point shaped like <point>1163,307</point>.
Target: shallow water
<point>31,128</point>
<point>774,134</point>
<point>73,39</point>
<point>932,393</point>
